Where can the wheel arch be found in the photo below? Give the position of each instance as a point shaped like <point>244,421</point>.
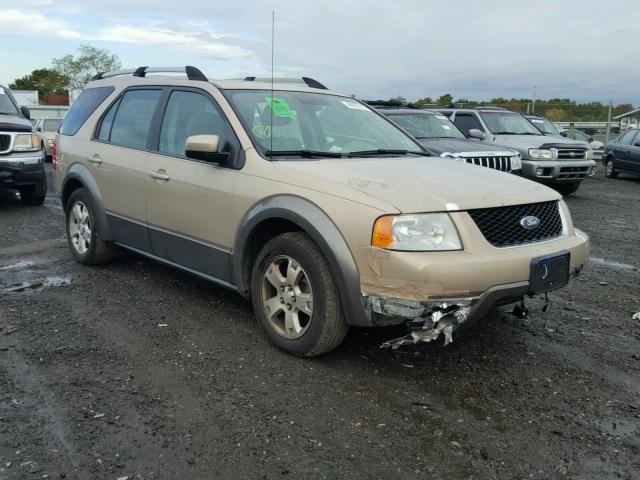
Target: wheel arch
<point>285,213</point>
<point>78,176</point>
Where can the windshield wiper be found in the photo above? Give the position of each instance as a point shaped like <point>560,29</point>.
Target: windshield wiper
<point>515,133</point>
<point>301,153</point>
<point>385,152</point>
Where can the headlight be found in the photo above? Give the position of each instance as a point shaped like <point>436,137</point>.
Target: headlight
<point>516,162</point>
<point>542,153</point>
<point>421,232</point>
<point>26,142</point>
<point>589,155</point>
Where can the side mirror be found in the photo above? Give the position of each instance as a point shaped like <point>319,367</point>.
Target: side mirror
<point>205,148</point>
<point>25,112</point>
<point>38,129</point>
<point>590,139</point>
<point>475,133</point>
<point>563,134</point>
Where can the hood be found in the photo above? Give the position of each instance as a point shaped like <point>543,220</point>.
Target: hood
<point>523,143</point>
<point>456,145</point>
<point>419,184</point>
<point>11,123</point>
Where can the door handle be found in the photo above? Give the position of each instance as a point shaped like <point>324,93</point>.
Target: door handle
<point>95,158</point>
<point>160,175</point>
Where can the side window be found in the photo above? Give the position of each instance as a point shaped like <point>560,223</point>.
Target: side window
<point>467,121</point>
<point>107,121</point>
<point>189,113</point>
<point>82,109</point>
<point>133,118</point>
<point>627,138</point>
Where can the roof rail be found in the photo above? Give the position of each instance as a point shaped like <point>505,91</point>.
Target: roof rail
<point>309,82</point>
<point>192,73</point>
<point>479,107</point>
<point>393,104</point>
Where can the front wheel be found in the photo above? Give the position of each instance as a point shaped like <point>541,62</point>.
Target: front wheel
<point>82,231</point>
<point>295,297</point>
<point>610,169</point>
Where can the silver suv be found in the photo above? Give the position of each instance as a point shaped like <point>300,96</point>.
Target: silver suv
<point>319,209</point>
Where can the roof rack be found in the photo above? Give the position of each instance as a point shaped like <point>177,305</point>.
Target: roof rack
<point>480,107</point>
<point>192,73</point>
<point>310,82</point>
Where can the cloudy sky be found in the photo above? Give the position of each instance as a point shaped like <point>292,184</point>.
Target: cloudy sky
<point>582,49</point>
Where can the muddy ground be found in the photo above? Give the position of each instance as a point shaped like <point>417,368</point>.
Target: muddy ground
<point>93,385</point>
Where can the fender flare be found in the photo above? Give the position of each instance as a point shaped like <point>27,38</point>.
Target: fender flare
<point>315,223</point>
<point>80,173</point>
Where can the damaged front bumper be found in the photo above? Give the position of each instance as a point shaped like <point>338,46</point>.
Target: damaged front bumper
<point>427,320</point>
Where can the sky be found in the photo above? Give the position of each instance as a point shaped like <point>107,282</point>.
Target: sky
<point>585,50</point>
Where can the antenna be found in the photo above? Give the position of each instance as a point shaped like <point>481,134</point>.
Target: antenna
<point>273,28</point>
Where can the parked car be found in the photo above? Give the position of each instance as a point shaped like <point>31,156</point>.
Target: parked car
<point>319,209</point>
<point>21,152</point>
<point>547,128</point>
<point>623,154</point>
<point>562,165</point>
<point>442,138</point>
<point>48,127</point>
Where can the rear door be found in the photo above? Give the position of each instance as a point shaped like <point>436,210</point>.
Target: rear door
<point>624,151</point>
<point>634,154</point>
<point>189,201</point>
<point>118,161</point>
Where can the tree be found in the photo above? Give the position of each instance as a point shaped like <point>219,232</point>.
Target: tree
<point>90,61</point>
<point>45,80</point>
<point>445,100</point>
<point>425,101</point>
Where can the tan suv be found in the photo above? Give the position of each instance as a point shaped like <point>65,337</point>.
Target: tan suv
<point>310,203</point>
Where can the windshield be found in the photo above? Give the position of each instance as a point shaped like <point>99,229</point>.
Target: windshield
<point>316,124</point>
<point>6,105</point>
<point>544,125</point>
<point>427,125</point>
<point>52,125</point>
<point>578,135</point>
<point>506,123</point>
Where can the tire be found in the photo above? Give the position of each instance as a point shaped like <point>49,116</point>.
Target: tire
<point>33,194</point>
<point>610,169</point>
<point>317,326</point>
<point>82,231</point>
<point>567,188</point>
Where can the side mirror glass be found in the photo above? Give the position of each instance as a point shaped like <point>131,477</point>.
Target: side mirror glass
<point>564,134</point>
<point>25,112</point>
<point>38,129</point>
<point>475,133</point>
<point>590,139</point>
<point>205,148</point>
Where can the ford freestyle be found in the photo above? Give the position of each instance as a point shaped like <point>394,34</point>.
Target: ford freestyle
<point>316,207</point>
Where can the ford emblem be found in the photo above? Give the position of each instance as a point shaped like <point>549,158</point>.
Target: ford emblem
<point>530,222</point>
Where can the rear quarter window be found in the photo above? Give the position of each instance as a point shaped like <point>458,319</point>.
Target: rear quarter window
<point>83,107</point>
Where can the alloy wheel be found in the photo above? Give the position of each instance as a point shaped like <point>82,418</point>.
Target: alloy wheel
<point>80,227</point>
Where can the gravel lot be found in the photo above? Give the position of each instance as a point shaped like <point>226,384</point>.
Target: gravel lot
<point>136,371</point>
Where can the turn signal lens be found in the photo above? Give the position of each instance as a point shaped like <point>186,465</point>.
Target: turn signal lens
<point>383,232</point>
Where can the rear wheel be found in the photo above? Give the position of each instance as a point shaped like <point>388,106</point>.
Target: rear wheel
<point>33,194</point>
<point>567,188</point>
<point>295,298</point>
<point>82,231</point>
<point>610,169</point>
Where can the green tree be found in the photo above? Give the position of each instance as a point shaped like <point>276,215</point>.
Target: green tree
<point>425,101</point>
<point>90,61</point>
<point>45,80</point>
<point>445,100</point>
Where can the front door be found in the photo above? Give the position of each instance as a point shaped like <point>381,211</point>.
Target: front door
<point>189,201</point>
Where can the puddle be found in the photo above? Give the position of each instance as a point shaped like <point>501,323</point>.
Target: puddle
<point>610,263</point>
<point>47,282</point>
<point>18,266</point>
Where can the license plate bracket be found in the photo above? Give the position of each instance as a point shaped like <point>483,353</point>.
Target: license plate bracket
<point>549,273</point>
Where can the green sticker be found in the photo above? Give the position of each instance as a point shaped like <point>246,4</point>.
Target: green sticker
<point>280,107</point>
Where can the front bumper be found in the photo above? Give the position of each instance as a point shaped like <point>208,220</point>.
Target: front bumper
<point>558,171</point>
<point>19,170</point>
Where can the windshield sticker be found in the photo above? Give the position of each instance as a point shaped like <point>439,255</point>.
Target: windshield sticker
<point>441,117</point>
<point>1,91</point>
<point>536,121</point>
<point>446,127</point>
<point>280,107</point>
<point>355,106</point>
<point>262,131</point>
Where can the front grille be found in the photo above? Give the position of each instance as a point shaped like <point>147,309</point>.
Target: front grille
<point>572,153</point>
<point>497,163</point>
<point>501,225</point>
<point>5,142</point>
<point>573,173</point>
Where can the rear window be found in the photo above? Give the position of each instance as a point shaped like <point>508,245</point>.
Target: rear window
<point>82,108</point>
<point>52,125</point>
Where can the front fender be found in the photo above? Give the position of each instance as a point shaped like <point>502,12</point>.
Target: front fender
<point>79,173</point>
<point>315,223</point>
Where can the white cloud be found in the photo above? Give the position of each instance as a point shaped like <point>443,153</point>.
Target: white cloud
<point>15,22</point>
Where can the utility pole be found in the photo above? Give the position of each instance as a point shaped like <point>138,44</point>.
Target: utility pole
<point>608,132</point>
<point>533,104</point>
